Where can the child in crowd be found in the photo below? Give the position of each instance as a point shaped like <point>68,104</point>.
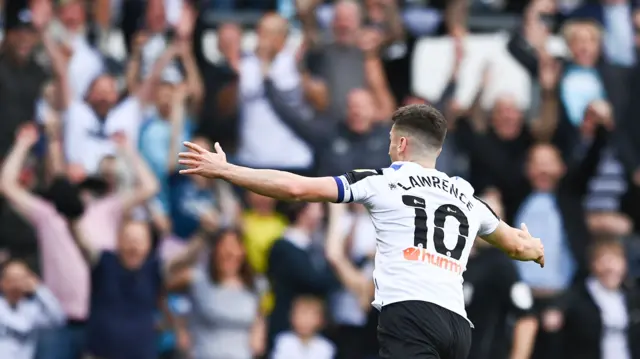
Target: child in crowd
<point>307,319</point>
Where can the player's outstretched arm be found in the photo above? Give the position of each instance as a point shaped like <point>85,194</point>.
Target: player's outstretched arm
<point>518,244</point>
<point>271,183</point>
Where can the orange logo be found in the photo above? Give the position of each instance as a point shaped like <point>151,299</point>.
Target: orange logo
<point>417,254</point>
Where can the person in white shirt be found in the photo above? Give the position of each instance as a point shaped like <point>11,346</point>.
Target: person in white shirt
<point>26,306</point>
<point>90,123</point>
<point>85,63</point>
<point>307,319</point>
<point>426,223</point>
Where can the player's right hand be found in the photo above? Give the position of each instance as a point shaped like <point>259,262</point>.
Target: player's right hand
<point>536,249</point>
<point>202,162</point>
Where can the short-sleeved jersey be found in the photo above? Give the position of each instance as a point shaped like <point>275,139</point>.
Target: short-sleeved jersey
<point>425,224</point>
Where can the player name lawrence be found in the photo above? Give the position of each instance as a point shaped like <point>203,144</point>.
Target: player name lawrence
<point>438,183</point>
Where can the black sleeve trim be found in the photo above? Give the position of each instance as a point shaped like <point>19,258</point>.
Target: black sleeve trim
<point>358,175</point>
<point>486,205</point>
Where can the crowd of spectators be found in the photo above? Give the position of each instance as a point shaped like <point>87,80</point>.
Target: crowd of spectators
<point>107,253</point>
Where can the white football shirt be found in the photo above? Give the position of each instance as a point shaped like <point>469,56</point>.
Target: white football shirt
<point>425,224</point>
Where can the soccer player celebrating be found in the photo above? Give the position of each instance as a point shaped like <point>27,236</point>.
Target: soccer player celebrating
<point>425,223</point>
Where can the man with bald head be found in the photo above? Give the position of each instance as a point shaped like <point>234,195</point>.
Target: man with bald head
<point>265,139</point>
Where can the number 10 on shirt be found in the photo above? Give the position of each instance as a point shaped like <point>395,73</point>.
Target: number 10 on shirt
<point>421,232</point>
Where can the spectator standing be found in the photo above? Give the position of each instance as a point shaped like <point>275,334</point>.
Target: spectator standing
<point>265,141</point>
<point>125,289</point>
<point>395,47</point>
<point>263,225</point>
<point>89,124</point>
<point>21,75</point>
<point>356,142</point>
<point>585,78</point>
<point>224,321</point>
<point>25,307</point>
<point>64,270</point>
<point>494,147</point>
<point>349,61</point>
<point>304,341</point>
<point>293,269</point>
<point>595,318</point>
<point>161,18</point>
<point>218,119</point>
<point>553,206</point>
<point>22,79</point>
<point>85,63</point>
<point>616,18</point>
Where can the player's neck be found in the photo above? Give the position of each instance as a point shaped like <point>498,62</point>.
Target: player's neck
<point>423,162</point>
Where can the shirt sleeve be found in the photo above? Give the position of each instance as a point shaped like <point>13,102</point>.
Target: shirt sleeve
<point>356,186</point>
<point>489,221</point>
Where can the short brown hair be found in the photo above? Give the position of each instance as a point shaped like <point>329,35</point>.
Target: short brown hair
<point>602,244</point>
<point>425,121</point>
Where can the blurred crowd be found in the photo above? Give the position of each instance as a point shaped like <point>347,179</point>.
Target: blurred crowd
<point>108,253</point>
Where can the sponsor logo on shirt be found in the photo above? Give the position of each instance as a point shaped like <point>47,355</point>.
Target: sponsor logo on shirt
<point>417,254</point>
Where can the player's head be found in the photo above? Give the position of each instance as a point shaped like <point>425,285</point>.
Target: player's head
<point>417,134</point>
<point>307,316</point>
<point>608,262</point>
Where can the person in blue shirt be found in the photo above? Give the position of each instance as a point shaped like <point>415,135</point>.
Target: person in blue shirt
<point>194,204</point>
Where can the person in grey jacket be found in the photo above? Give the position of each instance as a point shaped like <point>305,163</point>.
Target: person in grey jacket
<point>357,141</point>
<point>25,307</point>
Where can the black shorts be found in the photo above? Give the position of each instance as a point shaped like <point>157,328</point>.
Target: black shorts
<point>422,330</point>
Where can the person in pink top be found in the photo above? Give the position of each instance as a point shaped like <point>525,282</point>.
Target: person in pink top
<point>64,270</point>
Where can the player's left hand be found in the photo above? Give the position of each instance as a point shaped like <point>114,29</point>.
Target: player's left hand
<point>535,244</point>
<point>202,162</point>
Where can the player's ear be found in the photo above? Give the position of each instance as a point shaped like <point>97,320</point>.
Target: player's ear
<point>402,144</point>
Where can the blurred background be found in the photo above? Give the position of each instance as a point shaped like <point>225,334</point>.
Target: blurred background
<point>107,253</point>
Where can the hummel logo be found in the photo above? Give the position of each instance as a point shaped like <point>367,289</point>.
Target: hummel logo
<point>392,186</point>
<point>418,202</point>
<point>451,210</point>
